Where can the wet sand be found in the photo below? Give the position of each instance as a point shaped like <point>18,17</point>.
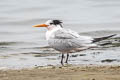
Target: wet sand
<point>63,73</point>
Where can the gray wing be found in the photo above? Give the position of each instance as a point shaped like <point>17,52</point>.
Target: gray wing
<point>65,34</point>
<point>67,40</point>
<point>71,35</point>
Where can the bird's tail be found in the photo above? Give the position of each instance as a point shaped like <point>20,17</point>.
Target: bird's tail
<point>102,38</point>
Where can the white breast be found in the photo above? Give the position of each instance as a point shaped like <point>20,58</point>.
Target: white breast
<point>50,33</point>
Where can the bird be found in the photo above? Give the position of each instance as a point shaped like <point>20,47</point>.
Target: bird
<point>66,40</point>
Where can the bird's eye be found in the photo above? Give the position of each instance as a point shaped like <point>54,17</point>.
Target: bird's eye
<point>51,23</point>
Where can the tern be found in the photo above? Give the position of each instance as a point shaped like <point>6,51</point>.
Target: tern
<point>67,41</point>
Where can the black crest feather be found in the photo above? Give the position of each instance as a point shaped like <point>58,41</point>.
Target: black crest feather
<point>56,22</point>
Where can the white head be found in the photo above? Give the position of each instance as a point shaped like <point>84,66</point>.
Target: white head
<point>50,24</point>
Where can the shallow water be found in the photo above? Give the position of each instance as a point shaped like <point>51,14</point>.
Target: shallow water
<point>20,42</point>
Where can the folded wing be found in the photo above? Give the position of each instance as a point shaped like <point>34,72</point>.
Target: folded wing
<point>67,39</point>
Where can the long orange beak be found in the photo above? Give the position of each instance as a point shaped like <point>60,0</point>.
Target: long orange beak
<point>40,25</point>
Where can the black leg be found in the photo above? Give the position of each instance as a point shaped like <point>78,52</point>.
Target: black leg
<point>67,58</point>
<point>62,59</point>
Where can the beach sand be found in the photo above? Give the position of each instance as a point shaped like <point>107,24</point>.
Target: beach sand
<point>63,73</point>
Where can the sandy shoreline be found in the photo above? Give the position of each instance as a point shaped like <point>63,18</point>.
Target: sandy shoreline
<point>63,73</point>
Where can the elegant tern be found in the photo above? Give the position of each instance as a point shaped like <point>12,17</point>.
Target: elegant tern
<point>66,40</point>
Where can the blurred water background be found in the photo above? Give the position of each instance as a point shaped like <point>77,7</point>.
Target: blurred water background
<point>20,43</point>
